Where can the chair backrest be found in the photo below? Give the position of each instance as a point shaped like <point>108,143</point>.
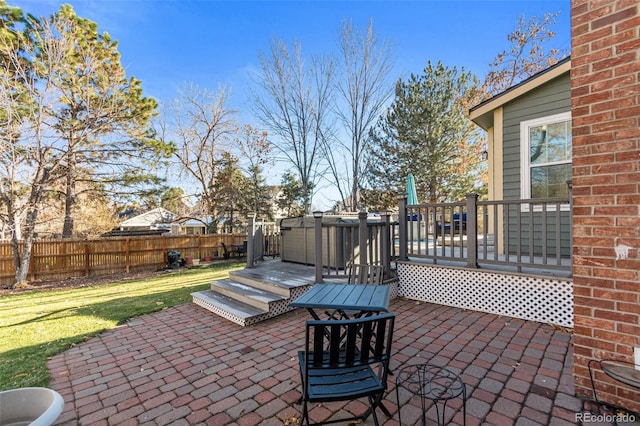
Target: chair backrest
<point>338,344</point>
<point>366,274</point>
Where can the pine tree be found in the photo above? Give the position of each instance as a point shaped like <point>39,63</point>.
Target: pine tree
<point>425,132</point>
<point>291,200</point>
<point>229,191</point>
<point>101,115</point>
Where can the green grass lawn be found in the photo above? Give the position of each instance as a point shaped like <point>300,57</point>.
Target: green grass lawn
<point>38,324</point>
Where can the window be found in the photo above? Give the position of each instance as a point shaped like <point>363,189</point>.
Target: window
<point>546,156</point>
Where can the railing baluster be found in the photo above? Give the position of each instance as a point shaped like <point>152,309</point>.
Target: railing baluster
<point>532,233</point>
<point>362,237</point>
<point>499,224</point>
<point>318,245</point>
<point>519,238</point>
<point>558,218</point>
<point>544,234</point>
<point>387,244</point>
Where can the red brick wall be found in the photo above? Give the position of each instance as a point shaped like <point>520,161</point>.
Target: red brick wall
<point>605,84</point>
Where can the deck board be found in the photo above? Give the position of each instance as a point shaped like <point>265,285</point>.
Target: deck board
<point>283,274</point>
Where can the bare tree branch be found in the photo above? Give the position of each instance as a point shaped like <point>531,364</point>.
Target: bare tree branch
<point>526,55</point>
<point>364,91</point>
<point>202,126</point>
<point>294,104</point>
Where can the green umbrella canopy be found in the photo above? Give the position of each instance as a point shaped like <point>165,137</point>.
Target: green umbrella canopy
<point>412,196</point>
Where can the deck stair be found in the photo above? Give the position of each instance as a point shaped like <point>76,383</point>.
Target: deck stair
<point>252,295</point>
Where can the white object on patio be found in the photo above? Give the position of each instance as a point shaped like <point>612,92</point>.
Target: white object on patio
<point>30,406</point>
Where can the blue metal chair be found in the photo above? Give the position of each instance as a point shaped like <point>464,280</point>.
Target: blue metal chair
<point>345,360</point>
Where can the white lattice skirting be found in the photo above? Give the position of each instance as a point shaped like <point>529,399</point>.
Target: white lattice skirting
<point>546,300</point>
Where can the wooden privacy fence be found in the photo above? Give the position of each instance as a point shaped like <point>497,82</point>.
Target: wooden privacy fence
<point>62,259</point>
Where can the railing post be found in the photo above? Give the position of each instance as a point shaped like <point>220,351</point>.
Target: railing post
<point>472,230</point>
<point>386,245</point>
<point>317,217</point>
<point>250,234</point>
<point>402,226</point>
<point>363,237</point>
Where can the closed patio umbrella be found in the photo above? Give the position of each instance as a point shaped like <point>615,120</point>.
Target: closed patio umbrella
<point>412,196</point>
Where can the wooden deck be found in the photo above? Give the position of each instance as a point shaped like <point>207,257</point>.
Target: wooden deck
<point>285,274</point>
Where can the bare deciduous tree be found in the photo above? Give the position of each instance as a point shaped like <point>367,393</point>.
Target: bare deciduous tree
<point>254,148</point>
<point>364,91</point>
<point>294,103</point>
<point>202,125</point>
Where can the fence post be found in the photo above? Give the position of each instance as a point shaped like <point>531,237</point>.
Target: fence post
<point>472,230</point>
<point>199,244</point>
<point>87,258</point>
<point>164,261</point>
<point>386,245</point>
<point>127,257</point>
<point>402,226</point>
<point>363,237</point>
<point>250,234</point>
<point>31,270</point>
<point>317,217</point>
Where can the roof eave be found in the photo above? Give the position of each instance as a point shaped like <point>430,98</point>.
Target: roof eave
<point>482,114</point>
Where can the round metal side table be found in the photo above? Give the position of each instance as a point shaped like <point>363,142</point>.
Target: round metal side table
<point>434,383</point>
<point>621,371</point>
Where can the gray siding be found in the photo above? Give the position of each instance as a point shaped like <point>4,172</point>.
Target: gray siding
<point>551,98</point>
<point>556,239</point>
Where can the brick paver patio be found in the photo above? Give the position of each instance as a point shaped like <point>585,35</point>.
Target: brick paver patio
<point>185,365</point>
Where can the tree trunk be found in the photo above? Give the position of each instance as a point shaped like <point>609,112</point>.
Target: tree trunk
<point>15,249</point>
<point>354,194</point>
<point>70,197</point>
<point>23,259</point>
<point>22,270</point>
<point>307,197</point>
<point>14,227</point>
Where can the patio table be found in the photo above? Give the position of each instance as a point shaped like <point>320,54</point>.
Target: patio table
<point>344,300</point>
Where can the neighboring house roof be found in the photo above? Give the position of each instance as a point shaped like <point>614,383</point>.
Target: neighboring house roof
<point>193,221</point>
<point>482,114</point>
<point>150,219</point>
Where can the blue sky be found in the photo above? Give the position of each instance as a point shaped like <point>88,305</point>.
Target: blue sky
<point>215,43</point>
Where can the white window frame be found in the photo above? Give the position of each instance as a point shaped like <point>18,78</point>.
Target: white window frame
<point>525,166</point>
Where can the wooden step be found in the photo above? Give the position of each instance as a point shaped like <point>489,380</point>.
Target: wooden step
<point>250,295</point>
<point>233,310</point>
<point>255,294</point>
